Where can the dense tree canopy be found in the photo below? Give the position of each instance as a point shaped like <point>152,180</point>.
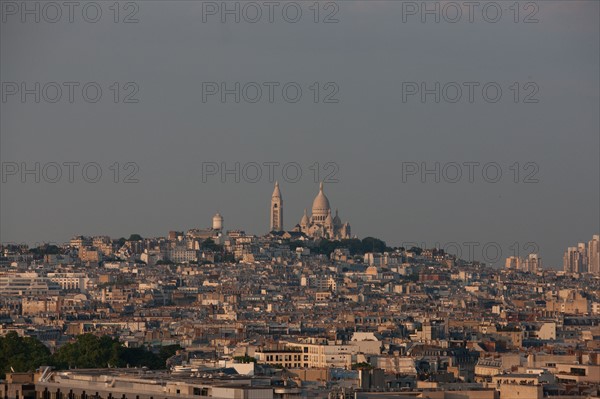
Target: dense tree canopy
<point>46,249</point>
<point>88,351</point>
<point>210,245</point>
<point>22,354</point>
<point>354,245</point>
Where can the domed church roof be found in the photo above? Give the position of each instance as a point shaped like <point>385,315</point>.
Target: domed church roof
<point>304,220</point>
<point>329,219</point>
<point>321,203</point>
<point>336,219</point>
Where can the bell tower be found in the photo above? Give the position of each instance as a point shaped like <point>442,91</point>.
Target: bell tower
<point>276,210</point>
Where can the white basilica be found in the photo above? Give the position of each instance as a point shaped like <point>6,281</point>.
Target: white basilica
<point>320,224</point>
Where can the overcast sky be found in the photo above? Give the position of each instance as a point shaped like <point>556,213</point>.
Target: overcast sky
<point>368,122</point>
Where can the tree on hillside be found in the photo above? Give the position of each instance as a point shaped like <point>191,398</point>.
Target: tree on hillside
<point>372,244</point>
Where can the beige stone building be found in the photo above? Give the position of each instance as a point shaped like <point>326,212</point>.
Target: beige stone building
<point>320,223</point>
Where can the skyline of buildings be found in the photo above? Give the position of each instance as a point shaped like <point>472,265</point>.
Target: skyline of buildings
<point>282,316</point>
<point>292,314</point>
<point>181,186</point>
<point>320,224</point>
<point>584,258</point>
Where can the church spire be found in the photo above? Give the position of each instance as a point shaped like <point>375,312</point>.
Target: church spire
<point>276,191</point>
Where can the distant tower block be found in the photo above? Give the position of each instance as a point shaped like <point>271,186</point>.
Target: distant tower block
<point>276,210</point>
<point>217,222</point>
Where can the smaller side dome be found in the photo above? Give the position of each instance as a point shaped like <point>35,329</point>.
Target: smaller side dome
<point>304,221</point>
<point>329,219</point>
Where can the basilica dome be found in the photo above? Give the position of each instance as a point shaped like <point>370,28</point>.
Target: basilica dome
<point>321,223</point>
<point>320,207</point>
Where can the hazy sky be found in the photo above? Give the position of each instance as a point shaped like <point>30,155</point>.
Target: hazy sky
<point>179,52</point>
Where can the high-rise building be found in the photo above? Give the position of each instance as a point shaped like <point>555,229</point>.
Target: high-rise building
<point>573,260</point>
<point>533,263</point>
<point>276,209</point>
<point>593,255</point>
<point>583,254</point>
<point>513,263</point>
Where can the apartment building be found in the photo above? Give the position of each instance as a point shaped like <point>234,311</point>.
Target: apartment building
<point>144,384</point>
